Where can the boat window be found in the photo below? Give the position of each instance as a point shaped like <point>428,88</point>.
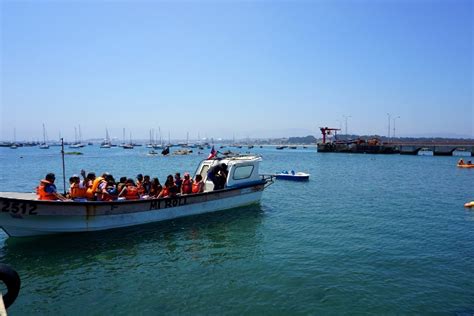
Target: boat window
<point>243,172</point>
<point>203,172</point>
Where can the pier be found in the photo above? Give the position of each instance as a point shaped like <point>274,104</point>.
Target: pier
<point>432,147</point>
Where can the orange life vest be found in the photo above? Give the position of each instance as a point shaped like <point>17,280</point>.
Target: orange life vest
<point>41,191</point>
<point>197,186</point>
<point>77,191</point>
<point>165,192</point>
<point>132,193</point>
<point>90,194</point>
<point>187,186</point>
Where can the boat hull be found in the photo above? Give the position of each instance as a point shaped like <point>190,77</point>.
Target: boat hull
<point>292,177</point>
<point>23,217</point>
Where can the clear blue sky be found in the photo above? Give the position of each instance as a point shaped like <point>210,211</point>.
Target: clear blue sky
<point>243,68</point>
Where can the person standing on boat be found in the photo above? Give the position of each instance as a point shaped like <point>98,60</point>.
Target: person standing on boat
<point>47,189</point>
<point>218,175</point>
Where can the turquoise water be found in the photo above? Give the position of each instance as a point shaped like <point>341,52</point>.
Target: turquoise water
<point>367,234</point>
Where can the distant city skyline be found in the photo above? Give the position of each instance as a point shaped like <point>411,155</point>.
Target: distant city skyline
<point>236,69</point>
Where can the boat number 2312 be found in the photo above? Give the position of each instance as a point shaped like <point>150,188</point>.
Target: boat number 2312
<point>19,208</point>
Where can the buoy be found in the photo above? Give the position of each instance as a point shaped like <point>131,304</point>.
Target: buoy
<point>12,281</point>
<point>469,204</point>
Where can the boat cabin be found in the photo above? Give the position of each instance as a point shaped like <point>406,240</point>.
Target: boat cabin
<point>242,171</point>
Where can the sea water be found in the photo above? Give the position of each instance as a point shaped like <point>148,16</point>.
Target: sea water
<point>367,234</point>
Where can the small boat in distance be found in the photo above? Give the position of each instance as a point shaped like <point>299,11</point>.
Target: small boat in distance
<point>425,152</point>
<point>106,143</point>
<point>23,215</point>
<point>44,145</point>
<point>292,175</point>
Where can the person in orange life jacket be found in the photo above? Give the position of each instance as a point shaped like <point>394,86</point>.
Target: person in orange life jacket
<point>139,184</point>
<point>178,181</point>
<point>198,184</point>
<point>89,179</point>
<point>187,184</point>
<point>47,189</point>
<point>155,187</point>
<point>218,175</point>
<point>77,189</point>
<point>130,191</point>
<point>89,183</point>
<point>170,189</point>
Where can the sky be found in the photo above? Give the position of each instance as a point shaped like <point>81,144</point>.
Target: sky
<point>243,69</point>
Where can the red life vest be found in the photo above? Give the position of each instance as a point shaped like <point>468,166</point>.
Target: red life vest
<point>41,191</point>
<point>165,192</point>
<point>187,186</point>
<point>132,193</point>
<point>197,186</point>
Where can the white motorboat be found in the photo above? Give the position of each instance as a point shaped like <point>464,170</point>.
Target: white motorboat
<point>23,215</point>
<point>425,152</point>
<point>292,175</point>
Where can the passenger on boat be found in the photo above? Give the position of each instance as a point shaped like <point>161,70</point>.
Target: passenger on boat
<point>107,190</point>
<point>89,179</point>
<point>130,191</point>
<point>155,188</point>
<point>47,189</point>
<point>170,189</point>
<point>461,162</point>
<point>218,175</point>
<point>140,184</point>
<point>146,185</point>
<point>187,185</point>
<point>77,189</point>
<point>198,184</point>
<point>121,184</point>
<point>178,181</point>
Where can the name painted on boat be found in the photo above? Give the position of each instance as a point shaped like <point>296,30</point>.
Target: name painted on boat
<point>23,208</point>
<point>167,203</point>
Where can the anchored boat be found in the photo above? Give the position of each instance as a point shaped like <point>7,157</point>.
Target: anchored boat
<point>294,176</point>
<point>23,215</point>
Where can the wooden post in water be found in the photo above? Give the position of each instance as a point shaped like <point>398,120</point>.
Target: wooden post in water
<point>64,166</point>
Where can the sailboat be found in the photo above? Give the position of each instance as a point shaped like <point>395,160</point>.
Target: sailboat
<point>44,145</point>
<point>106,143</point>
<point>160,145</point>
<point>129,145</point>
<point>14,145</point>
<point>77,143</point>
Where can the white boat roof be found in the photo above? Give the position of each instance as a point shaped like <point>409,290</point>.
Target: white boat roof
<point>237,158</point>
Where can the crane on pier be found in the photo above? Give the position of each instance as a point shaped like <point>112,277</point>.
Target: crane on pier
<point>326,131</point>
